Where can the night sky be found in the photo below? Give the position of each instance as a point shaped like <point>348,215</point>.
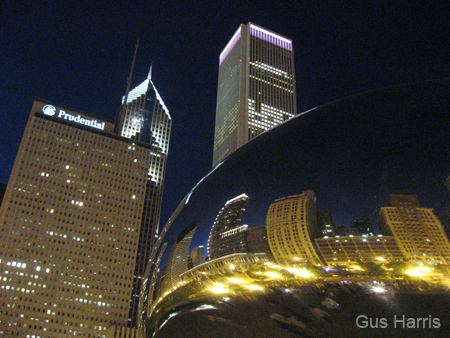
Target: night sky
<point>78,54</point>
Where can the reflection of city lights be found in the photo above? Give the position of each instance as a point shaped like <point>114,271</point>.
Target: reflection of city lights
<point>414,273</point>
<point>379,289</point>
<point>218,289</point>
<point>356,267</point>
<point>204,307</point>
<point>301,273</point>
<point>423,269</point>
<point>253,287</point>
<point>236,280</point>
<point>381,259</point>
<point>272,274</point>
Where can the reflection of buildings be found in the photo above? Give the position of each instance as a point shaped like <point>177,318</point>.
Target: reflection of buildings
<point>177,263</point>
<point>256,89</point>
<point>144,117</point>
<point>198,255</point>
<point>257,240</point>
<point>417,230</point>
<point>226,265</point>
<point>355,249</point>
<point>364,226</point>
<point>227,235</point>
<point>69,225</point>
<point>291,227</point>
<point>326,223</point>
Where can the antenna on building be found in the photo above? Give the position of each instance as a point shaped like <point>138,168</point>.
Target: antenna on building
<point>124,102</point>
<point>131,73</point>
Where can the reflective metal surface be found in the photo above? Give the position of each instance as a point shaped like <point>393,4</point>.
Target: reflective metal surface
<point>214,273</point>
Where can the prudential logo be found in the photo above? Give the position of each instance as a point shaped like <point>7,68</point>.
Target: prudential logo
<point>49,110</point>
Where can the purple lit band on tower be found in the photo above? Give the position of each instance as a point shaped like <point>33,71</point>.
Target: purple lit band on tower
<point>271,37</point>
<point>230,45</point>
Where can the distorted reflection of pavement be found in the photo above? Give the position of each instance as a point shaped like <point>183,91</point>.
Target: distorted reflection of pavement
<point>310,312</point>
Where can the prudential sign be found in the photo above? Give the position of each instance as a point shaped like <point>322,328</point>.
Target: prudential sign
<point>51,111</point>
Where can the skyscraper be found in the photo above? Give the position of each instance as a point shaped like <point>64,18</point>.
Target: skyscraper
<point>417,230</point>
<point>83,205</point>
<point>178,258</point>
<point>227,235</point>
<point>291,229</point>
<point>145,117</point>
<point>69,225</point>
<point>256,87</point>
<point>198,255</point>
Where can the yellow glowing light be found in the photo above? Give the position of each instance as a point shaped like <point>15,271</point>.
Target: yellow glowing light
<point>423,269</point>
<point>381,259</point>
<point>301,273</point>
<point>356,267</point>
<point>272,274</point>
<point>236,280</point>
<point>218,290</point>
<point>232,266</point>
<point>414,273</point>
<point>254,287</point>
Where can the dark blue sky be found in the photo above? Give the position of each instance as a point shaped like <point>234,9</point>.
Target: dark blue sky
<point>78,54</point>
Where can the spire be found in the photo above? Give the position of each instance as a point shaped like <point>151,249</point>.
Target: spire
<point>120,112</point>
<point>131,73</point>
<point>149,77</point>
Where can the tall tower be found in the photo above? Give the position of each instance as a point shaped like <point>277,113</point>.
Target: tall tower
<point>256,89</point>
<point>177,263</point>
<point>417,230</point>
<point>291,229</point>
<point>69,226</point>
<point>144,117</point>
<point>227,235</point>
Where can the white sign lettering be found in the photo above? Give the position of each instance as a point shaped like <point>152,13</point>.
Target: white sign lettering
<point>51,110</point>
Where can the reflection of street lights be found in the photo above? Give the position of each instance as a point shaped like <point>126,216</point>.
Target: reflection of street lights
<point>217,289</point>
<point>254,287</point>
<point>272,274</point>
<point>236,280</point>
<point>302,273</point>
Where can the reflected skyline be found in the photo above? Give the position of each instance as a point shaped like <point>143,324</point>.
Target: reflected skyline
<point>348,156</point>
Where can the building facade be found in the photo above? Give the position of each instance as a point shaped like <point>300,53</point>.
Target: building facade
<point>227,235</point>
<point>257,240</point>
<point>364,226</point>
<point>357,249</point>
<point>256,88</point>
<point>145,117</point>
<point>292,228</point>
<point>177,263</point>
<point>69,226</point>
<point>198,255</point>
<point>326,223</point>
<point>417,230</point>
